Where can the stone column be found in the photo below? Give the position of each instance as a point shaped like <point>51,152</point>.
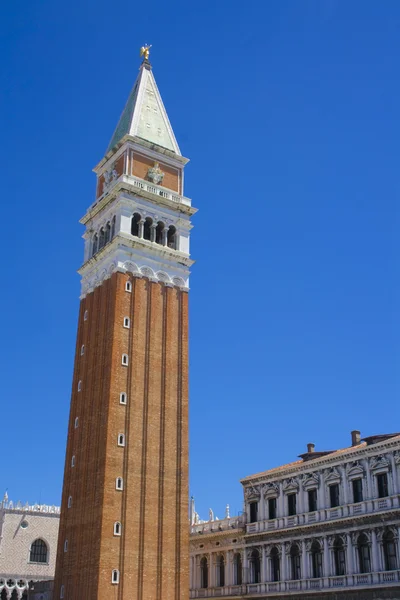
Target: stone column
<point>375,553</point>
<point>261,508</point>
<point>350,555</point>
<point>280,505</point>
<point>153,228</point>
<point>284,569</point>
<point>141,228</point>
<point>304,558</point>
<point>345,485</point>
<point>394,476</point>
<point>164,235</point>
<point>327,562</point>
<point>264,572</point>
<point>245,567</point>
<point>321,498</point>
<point>369,481</point>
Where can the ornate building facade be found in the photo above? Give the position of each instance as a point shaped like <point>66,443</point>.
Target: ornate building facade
<point>123,527</point>
<point>28,544</point>
<point>326,526</point>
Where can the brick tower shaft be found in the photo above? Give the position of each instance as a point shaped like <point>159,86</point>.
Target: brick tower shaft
<point>124,513</point>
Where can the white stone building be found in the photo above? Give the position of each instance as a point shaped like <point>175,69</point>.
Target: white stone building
<point>28,545</point>
<point>325,526</point>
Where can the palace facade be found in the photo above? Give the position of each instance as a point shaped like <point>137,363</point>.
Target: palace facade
<point>325,526</point>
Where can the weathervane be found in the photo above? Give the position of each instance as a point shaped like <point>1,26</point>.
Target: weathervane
<point>145,51</point>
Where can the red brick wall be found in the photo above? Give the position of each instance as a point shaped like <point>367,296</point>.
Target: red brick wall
<point>152,553</point>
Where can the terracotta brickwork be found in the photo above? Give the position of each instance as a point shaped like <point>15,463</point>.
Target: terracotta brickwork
<point>119,166</point>
<point>152,552</point>
<point>139,166</point>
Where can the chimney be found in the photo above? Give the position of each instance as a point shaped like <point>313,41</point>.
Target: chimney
<point>310,447</point>
<point>355,437</point>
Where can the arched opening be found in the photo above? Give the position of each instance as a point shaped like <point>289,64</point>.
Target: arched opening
<point>389,551</point>
<point>339,557</point>
<point>275,565</point>
<point>102,238</point>
<point>113,227</point>
<point>24,595</point>
<point>255,572</point>
<point>316,560</point>
<point>107,234</point>
<point>14,595</point>
<point>204,573</point>
<point>295,562</point>
<point>147,228</point>
<point>237,569</point>
<point>3,594</point>
<point>38,552</point>
<point>135,224</point>
<point>220,571</point>
<point>171,237</point>
<point>95,244</point>
<point>160,233</point>
<point>364,555</point>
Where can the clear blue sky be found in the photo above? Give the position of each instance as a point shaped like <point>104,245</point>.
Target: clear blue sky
<point>289,112</point>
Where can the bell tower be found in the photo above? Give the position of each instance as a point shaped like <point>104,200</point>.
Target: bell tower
<point>124,530</point>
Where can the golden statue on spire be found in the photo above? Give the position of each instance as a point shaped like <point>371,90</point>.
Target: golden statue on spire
<point>145,51</point>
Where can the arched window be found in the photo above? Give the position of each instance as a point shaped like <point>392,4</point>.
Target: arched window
<point>122,398</point>
<point>121,439</point>
<point>255,572</point>
<point>171,237</point>
<point>125,360</point>
<point>160,233</point>
<point>82,349</point>
<point>127,322</point>
<point>339,557</point>
<point>62,591</point>
<point>204,573</point>
<point>38,552</point>
<point>117,528</point>
<point>135,224</point>
<point>107,233</point>
<point>389,551</point>
<point>128,286</point>
<point>95,244</point>
<point>147,228</point>
<point>85,316</point>
<point>102,238</point>
<point>364,555</point>
<point>69,501</point>
<point>73,461</point>
<point>76,422</point>
<point>66,546</point>
<point>220,571</point>
<point>237,569</point>
<point>295,562</point>
<point>275,565</point>
<point>115,576</point>
<point>119,483</point>
<point>79,385</point>
<point>316,560</point>
<point>113,227</point>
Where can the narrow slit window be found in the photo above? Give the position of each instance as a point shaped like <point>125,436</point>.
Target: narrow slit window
<point>127,322</point>
<point>73,461</point>
<point>125,360</point>
<point>66,546</point>
<point>62,589</point>
<point>82,349</point>
<point>115,576</point>
<point>76,422</point>
<point>121,439</point>
<point>79,385</point>
<point>70,502</point>
<point>119,483</point>
<point>123,398</point>
<point>117,528</point>
<point>128,286</point>
<point>85,316</point>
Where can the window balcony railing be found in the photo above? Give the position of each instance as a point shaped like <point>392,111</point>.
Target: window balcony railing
<point>325,514</point>
<point>302,585</point>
